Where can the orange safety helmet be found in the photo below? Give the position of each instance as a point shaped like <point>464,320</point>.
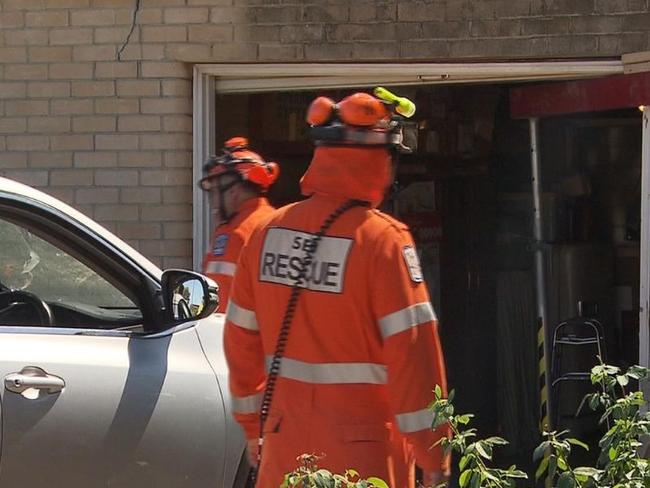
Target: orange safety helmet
<point>237,158</point>
<point>358,120</point>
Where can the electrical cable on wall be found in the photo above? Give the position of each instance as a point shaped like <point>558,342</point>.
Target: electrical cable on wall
<point>128,37</point>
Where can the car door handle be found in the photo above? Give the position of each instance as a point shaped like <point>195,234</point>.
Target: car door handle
<point>33,378</point>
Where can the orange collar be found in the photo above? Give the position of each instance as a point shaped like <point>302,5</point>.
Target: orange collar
<point>349,173</point>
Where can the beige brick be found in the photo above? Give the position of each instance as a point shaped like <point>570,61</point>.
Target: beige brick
<point>12,90</point>
<point>117,213</point>
<point>229,15</point>
<point>115,142</point>
<point>71,106</point>
<point>71,177</point>
<point>49,124</point>
<point>151,69</point>
<point>140,159</point>
<point>96,159</point>
<point>257,33</point>
<point>178,159</point>
<point>50,159</point>
<point>177,230</point>
<point>26,107</point>
<point>96,195</point>
<point>57,4</point>
<point>93,88</point>
<point>166,141</point>
<point>191,53</point>
<point>47,19</point>
<point>26,37</point>
<point>150,16</point>
<point>176,88</point>
<point>71,36</point>
<point>12,5</point>
<point>186,15</point>
<point>13,54</point>
<point>28,177</point>
<point>276,14</point>
<point>27,143</point>
<point>138,88</point>
<point>50,54</point>
<point>94,53</point>
<point>141,230</point>
<point>71,71</point>
<point>153,52</point>
<point>166,213</point>
<point>48,89</point>
<point>11,20</point>
<point>117,106</point>
<point>138,123</point>
<point>71,142</point>
<point>165,177</point>
<point>166,106</point>
<point>119,177</point>
<point>112,3</point>
<point>177,123</point>
<point>177,194</point>
<point>126,69</point>
<point>93,123</point>
<point>12,160</point>
<point>26,72</point>
<point>210,33</point>
<point>13,125</point>
<point>92,17</point>
<point>238,51</point>
<point>3,144</point>
<point>140,195</point>
<point>114,35</point>
<point>176,262</point>
<point>64,194</point>
<point>164,33</point>
<point>278,52</point>
<point>167,247</point>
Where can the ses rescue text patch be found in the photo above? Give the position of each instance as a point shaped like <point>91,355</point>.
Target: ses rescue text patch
<point>283,253</point>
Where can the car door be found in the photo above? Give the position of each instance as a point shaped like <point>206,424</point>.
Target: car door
<point>98,397</point>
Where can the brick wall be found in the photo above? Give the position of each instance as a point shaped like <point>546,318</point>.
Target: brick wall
<point>114,137</point>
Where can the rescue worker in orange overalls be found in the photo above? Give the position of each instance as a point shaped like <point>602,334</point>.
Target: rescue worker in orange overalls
<point>237,180</point>
<point>330,317</point>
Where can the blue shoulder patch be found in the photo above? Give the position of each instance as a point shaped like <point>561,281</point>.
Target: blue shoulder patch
<point>220,243</point>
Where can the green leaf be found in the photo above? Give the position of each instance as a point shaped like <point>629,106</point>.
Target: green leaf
<point>483,450</point>
<point>351,473</point>
<point>463,462</point>
<point>622,380</point>
<point>586,471</point>
<point>451,396</point>
<point>464,419</point>
<point>566,481</point>
<point>377,482</point>
<point>540,450</point>
<point>464,478</point>
<point>612,453</point>
<point>438,392</point>
<point>496,441</point>
<point>541,469</point>
<point>579,443</point>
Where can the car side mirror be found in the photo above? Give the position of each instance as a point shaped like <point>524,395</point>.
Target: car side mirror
<point>188,296</point>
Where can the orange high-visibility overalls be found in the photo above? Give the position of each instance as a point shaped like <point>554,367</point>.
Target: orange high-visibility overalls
<point>363,353</point>
<point>220,262</point>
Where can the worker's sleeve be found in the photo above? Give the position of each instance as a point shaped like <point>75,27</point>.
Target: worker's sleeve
<point>411,346</point>
<point>244,353</point>
<point>221,268</point>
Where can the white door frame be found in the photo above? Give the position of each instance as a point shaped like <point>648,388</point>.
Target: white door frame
<point>249,78</point>
<point>644,298</point>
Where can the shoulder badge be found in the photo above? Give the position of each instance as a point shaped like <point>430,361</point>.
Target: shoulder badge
<point>220,243</point>
<point>413,263</point>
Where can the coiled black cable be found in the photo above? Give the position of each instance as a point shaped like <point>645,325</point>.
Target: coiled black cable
<point>283,335</point>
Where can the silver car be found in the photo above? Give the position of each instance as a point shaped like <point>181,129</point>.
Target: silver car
<point>114,373</point>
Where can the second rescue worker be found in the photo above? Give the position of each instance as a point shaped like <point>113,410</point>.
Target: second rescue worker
<point>237,180</point>
<point>330,336</point>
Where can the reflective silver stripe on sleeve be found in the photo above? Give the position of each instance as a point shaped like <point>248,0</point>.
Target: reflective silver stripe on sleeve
<point>221,267</point>
<point>404,319</point>
<point>332,373</point>
<point>414,421</point>
<point>240,316</point>
<point>248,404</point>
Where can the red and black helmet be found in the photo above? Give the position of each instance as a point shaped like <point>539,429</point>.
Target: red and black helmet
<point>236,158</point>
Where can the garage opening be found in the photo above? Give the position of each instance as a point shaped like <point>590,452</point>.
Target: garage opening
<point>465,191</point>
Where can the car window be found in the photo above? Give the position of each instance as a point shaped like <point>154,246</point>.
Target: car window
<point>77,294</point>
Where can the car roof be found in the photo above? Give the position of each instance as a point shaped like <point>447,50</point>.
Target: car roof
<point>16,188</point>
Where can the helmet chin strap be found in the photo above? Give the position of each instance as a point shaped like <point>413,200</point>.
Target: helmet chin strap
<point>224,215</point>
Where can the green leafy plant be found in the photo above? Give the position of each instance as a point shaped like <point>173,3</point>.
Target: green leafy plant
<point>475,454</point>
<point>308,475</point>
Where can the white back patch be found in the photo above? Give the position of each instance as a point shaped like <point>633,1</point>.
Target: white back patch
<point>413,263</point>
<point>283,253</point>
